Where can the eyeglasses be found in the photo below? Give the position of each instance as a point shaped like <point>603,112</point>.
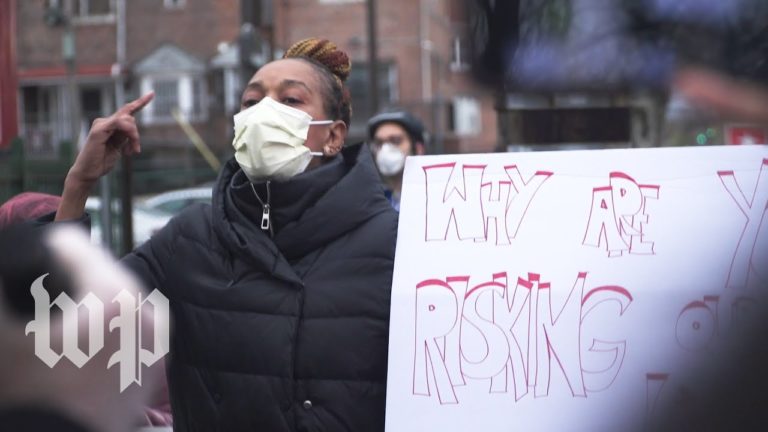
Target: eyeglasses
<point>392,139</point>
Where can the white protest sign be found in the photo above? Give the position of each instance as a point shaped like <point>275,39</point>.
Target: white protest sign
<point>564,291</point>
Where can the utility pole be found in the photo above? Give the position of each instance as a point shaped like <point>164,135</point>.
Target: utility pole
<point>105,193</point>
<point>267,22</point>
<point>246,42</point>
<point>126,173</point>
<point>69,54</point>
<point>55,16</point>
<point>373,61</point>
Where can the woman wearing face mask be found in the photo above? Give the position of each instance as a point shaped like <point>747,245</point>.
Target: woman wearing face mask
<point>280,290</point>
<point>393,137</point>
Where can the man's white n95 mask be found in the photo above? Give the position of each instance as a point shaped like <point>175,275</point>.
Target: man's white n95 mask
<point>390,160</point>
<point>269,140</point>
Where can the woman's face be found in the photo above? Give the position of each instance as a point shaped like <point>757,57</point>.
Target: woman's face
<point>294,83</point>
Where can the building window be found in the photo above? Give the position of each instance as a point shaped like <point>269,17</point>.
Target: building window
<point>80,11</point>
<point>464,116</point>
<point>232,91</point>
<point>44,121</point>
<point>359,89</point>
<point>185,94</point>
<point>460,55</point>
<point>166,97</point>
<point>174,4</point>
<point>576,125</point>
<point>198,98</point>
<point>224,91</point>
<point>92,8</point>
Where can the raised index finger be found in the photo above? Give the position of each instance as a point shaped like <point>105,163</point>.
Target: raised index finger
<point>136,105</point>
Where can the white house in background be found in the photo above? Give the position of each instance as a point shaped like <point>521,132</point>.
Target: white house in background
<point>179,82</point>
<point>226,69</point>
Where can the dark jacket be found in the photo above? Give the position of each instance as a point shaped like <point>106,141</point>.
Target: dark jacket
<point>283,333</point>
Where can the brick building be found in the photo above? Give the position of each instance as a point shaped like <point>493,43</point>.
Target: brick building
<point>421,64</point>
<point>47,114</point>
<point>80,59</point>
<point>175,48</point>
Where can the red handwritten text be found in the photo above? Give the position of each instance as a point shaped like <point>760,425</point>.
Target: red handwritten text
<point>512,336</point>
<point>618,216</point>
<point>753,209</point>
<point>478,206</point>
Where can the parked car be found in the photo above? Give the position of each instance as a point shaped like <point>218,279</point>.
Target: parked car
<point>173,202</point>
<point>146,221</point>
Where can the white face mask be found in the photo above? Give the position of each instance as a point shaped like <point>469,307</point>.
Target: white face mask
<point>390,160</point>
<point>269,140</point>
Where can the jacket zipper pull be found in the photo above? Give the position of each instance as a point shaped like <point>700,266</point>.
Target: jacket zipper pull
<point>265,218</point>
<point>266,224</point>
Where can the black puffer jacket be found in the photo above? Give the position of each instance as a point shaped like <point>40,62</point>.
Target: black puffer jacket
<point>283,333</point>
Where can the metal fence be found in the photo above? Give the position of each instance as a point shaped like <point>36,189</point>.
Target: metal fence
<point>20,171</point>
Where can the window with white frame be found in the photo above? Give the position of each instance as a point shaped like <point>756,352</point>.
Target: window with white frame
<point>174,4</point>
<point>81,12</point>
<point>92,8</point>
<point>465,118</point>
<point>44,119</point>
<point>224,91</point>
<point>198,97</point>
<point>232,90</point>
<point>460,54</point>
<point>166,97</point>
<point>185,93</point>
